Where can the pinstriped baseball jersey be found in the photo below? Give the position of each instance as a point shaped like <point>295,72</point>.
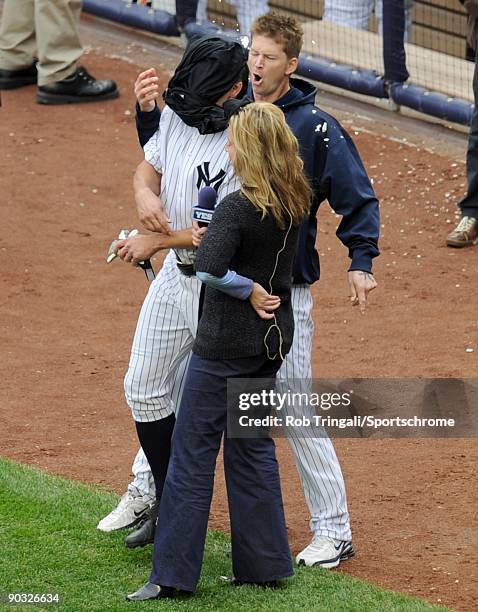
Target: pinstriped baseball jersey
<point>187,162</point>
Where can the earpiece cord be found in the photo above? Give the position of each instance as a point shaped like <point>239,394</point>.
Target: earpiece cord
<point>275,325</point>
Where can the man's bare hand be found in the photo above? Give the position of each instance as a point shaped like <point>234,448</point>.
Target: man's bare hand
<point>146,89</point>
<point>147,190</point>
<point>262,302</point>
<point>198,234</point>
<point>360,284</point>
<point>138,248</point>
<point>151,212</point>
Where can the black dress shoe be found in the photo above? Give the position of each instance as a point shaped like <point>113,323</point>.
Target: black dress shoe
<point>144,532</point>
<point>152,591</point>
<point>78,87</point>
<point>12,79</point>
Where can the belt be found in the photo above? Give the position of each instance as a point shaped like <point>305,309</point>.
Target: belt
<point>186,269</point>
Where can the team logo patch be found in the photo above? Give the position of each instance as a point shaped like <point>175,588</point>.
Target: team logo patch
<point>205,180</point>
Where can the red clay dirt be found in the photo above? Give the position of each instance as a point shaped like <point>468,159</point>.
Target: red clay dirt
<point>67,321</point>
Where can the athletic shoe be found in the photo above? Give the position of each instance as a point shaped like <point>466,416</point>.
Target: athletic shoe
<point>128,512</point>
<point>152,591</point>
<point>465,233</point>
<point>325,552</point>
<point>13,79</point>
<point>78,87</point>
<point>144,532</point>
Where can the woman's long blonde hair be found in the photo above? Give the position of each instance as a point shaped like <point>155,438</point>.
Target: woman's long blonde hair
<point>267,162</point>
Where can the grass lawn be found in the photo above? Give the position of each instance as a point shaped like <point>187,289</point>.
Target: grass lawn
<point>49,544</point>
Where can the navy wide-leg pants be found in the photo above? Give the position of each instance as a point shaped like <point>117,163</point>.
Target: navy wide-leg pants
<point>260,550</point>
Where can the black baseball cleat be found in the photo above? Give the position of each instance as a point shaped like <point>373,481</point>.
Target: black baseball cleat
<point>144,532</point>
<point>13,79</point>
<point>152,591</point>
<point>77,88</point>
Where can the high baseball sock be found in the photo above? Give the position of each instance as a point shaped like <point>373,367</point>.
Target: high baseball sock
<point>155,438</point>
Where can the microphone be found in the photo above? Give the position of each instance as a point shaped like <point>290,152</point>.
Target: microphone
<point>202,212</point>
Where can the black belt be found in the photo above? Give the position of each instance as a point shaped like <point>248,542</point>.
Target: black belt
<point>186,269</point>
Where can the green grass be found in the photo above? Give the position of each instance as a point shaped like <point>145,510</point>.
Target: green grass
<point>49,543</point>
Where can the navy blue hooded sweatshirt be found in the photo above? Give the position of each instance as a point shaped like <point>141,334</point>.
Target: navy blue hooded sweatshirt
<point>335,171</point>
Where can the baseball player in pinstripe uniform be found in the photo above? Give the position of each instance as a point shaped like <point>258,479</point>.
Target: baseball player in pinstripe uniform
<point>185,154</point>
<point>337,174</point>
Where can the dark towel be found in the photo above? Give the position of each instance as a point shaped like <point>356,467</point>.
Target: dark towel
<point>209,68</point>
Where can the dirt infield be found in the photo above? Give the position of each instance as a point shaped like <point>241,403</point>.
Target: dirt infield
<point>67,321</point>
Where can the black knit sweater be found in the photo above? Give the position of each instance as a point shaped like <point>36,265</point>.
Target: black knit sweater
<point>239,239</point>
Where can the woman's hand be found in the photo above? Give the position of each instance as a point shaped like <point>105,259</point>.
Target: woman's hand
<point>198,234</point>
<point>263,302</point>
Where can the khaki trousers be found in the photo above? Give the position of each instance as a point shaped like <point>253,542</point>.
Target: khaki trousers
<point>47,29</point>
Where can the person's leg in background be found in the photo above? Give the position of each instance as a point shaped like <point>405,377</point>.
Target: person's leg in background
<point>58,39</point>
<point>201,14</point>
<point>408,6</point>
<point>351,13</point>
<point>466,232</point>
<point>247,11</point>
<point>186,11</point>
<point>49,31</point>
<point>17,44</point>
<point>315,457</point>
<point>60,79</point>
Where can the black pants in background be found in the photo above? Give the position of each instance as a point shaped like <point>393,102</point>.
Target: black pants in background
<point>469,204</point>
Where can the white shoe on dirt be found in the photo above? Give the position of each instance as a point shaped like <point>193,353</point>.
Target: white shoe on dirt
<point>325,552</point>
<point>126,514</point>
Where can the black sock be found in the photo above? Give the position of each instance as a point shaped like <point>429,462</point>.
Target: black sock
<point>155,438</point>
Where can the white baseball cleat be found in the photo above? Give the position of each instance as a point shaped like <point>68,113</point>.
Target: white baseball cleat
<point>126,514</point>
<point>325,552</point>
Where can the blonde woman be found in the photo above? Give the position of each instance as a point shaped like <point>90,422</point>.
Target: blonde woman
<point>245,329</point>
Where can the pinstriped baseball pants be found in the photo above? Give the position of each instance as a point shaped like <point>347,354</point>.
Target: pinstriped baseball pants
<point>163,339</point>
<point>315,458</point>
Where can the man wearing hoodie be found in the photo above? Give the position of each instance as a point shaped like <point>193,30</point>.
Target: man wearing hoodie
<point>336,174</point>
